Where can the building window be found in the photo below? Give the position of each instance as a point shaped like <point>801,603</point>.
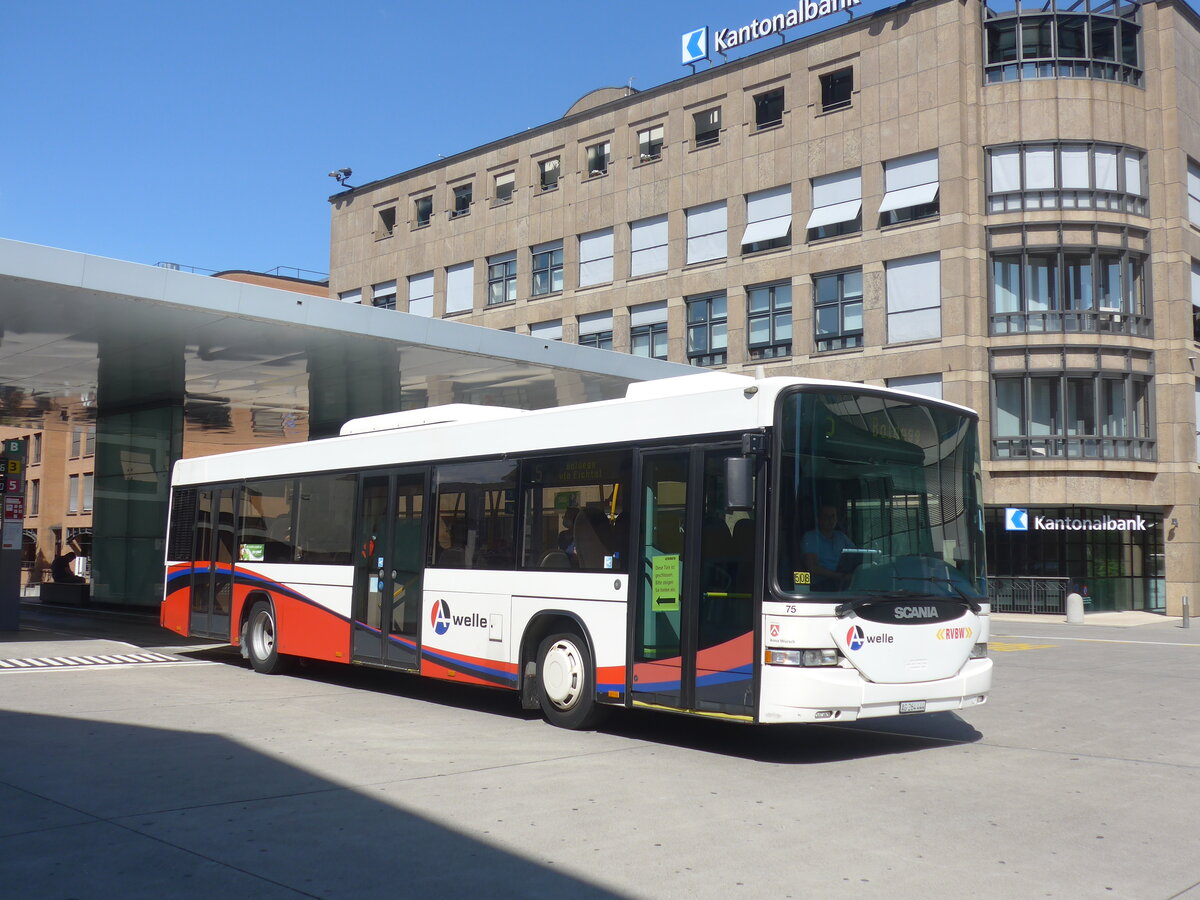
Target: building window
<point>768,109</point>
<point>547,269</point>
<point>548,171</point>
<point>837,205</point>
<point>35,449</point>
<point>707,127</point>
<point>385,222</point>
<point>72,494</point>
<point>1193,188</point>
<point>547,331</point>
<point>1075,414</point>
<point>88,483</point>
<point>460,287</point>
<point>648,246</point>
<point>768,220</point>
<point>838,310</point>
<point>1196,301</point>
<point>914,298</point>
<point>707,330</point>
<point>502,278</point>
<point>462,201</point>
<point>34,498</point>
<point>420,294</point>
<point>648,330</point>
<point>836,89</point>
<point>1074,43</point>
<point>769,320</point>
<point>1085,290</point>
<point>76,442</point>
<point>1066,176</point>
<point>596,257</point>
<point>89,441</point>
<point>1197,427</point>
<point>383,296</point>
<point>706,226</point>
<point>925,385</point>
<point>423,211</point>
<point>598,156</point>
<point>910,187</point>
<point>650,143</point>
<point>504,185</point>
<point>354,296</point>
<point>596,330</point>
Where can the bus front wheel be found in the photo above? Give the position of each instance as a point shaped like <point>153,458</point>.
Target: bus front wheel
<point>567,682</point>
<point>259,639</point>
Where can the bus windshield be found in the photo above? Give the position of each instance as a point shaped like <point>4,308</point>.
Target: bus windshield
<point>877,495</point>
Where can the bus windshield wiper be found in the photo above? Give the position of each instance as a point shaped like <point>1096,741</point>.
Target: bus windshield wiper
<point>933,579</point>
<point>874,597</point>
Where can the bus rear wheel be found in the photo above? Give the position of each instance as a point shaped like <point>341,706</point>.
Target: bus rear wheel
<point>567,682</point>
<point>259,639</point>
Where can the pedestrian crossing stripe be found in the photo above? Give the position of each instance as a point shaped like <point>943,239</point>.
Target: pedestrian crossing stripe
<point>76,662</point>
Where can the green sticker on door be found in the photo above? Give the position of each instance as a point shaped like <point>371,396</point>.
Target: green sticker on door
<point>664,572</point>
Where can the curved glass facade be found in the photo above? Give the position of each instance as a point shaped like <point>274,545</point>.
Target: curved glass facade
<point>1088,40</point>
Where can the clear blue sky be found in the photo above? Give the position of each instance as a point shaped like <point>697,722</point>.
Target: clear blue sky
<point>202,132</point>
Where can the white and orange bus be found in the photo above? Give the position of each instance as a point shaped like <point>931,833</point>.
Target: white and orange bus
<point>762,550</point>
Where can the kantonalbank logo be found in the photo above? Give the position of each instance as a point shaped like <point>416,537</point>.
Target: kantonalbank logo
<point>441,619</point>
<point>953,634</point>
<point>696,43</point>
<point>856,638</point>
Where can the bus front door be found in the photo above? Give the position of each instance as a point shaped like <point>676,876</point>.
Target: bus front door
<point>388,564</point>
<point>212,563</point>
<point>693,645</point>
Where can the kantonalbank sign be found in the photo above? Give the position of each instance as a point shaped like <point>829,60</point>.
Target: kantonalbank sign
<point>696,43</point>
<point>1017,519</point>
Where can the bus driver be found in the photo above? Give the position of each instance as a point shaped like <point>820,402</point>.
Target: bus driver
<point>823,548</point>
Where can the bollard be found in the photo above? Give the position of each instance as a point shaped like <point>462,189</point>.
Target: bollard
<point>1074,609</point>
<point>1187,612</point>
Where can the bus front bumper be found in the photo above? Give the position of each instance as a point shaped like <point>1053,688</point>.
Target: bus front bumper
<point>793,694</point>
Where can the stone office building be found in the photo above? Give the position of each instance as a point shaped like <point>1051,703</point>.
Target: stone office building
<point>997,205</point>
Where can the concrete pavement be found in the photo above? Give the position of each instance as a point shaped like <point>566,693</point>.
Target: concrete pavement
<point>192,776</point>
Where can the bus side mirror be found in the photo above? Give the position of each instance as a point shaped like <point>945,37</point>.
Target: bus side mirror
<point>739,483</point>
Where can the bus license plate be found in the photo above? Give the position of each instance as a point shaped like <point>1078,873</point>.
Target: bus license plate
<point>912,706</point>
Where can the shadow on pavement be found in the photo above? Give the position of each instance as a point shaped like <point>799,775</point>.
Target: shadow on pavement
<point>96,809</point>
<point>790,744</point>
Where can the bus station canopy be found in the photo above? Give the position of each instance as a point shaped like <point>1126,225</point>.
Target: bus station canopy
<point>72,325</point>
<point>168,364</point>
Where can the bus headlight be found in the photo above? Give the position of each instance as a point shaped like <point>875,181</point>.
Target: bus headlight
<point>979,651</point>
<point>778,657</point>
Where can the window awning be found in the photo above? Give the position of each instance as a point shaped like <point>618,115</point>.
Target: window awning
<point>767,230</point>
<point>918,195</point>
<point>834,213</point>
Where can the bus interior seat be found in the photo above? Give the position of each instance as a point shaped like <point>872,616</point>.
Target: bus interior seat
<point>593,538</point>
<point>555,559</point>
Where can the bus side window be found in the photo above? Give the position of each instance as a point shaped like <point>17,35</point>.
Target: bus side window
<point>476,505</point>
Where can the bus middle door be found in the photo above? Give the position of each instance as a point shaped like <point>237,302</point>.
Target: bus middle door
<point>388,567</point>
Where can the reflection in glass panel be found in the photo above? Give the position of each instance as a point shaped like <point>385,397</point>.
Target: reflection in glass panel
<point>1009,407</point>
<point>1041,283</point>
<point>1043,405</point>
<point>854,316</point>
<point>1104,39</point>
<point>1079,280</point>
<point>1002,42</point>
<point>1081,406</point>
<point>1115,422</point>
<point>1006,273</point>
